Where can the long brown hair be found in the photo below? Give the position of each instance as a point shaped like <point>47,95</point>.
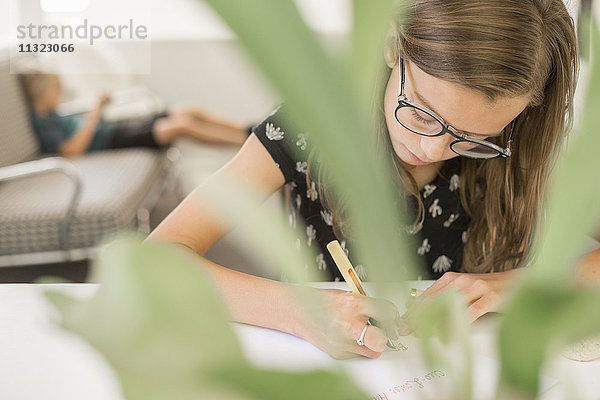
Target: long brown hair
<point>501,48</point>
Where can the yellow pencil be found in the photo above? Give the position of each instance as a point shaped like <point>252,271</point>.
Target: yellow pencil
<point>345,267</point>
<point>353,281</point>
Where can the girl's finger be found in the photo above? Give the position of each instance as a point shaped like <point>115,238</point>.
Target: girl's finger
<point>404,326</point>
<point>482,306</point>
<point>374,338</point>
<point>440,284</point>
<point>449,280</point>
<point>475,291</point>
<point>365,351</point>
<point>381,310</point>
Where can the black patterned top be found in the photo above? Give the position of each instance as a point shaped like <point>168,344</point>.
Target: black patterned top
<point>440,238</point>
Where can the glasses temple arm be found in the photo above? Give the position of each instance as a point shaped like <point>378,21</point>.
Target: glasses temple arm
<point>401,73</point>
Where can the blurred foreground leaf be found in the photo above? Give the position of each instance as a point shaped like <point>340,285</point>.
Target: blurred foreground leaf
<point>160,325</point>
<point>545,310</point>
<point>370,25</point>
<point>443,325</point>
<point>274,385</point>
<point>271,238</point>
<point>322,99</point>
<point>548,318</point>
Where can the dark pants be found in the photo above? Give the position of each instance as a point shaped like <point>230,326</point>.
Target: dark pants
<point>135,134</point>
<point>139,134</point>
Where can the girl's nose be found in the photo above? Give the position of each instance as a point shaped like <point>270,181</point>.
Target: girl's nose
<point>435,147</point>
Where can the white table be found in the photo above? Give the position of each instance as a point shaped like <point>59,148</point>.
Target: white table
<point>38,360</point>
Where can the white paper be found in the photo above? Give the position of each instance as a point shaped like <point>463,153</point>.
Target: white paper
<point>396,375</point>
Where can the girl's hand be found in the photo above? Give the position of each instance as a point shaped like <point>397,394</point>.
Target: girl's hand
<point>482,293</point>
<point>346,315</point>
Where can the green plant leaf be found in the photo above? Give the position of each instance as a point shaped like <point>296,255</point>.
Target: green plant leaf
<point>160,325</point>
<point>156,320</point>
<point>443,324</point>
<point>573,200</point>
<point>544,310</point>
<point>272,238</point>
<point>322,99</point>
<point>549,317</point>
<point>368,33</point>
<point>273,385</point>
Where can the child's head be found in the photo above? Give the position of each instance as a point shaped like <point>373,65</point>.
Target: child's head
<point>489,68</point>
<point>481,64</point>
<point>43,90</point>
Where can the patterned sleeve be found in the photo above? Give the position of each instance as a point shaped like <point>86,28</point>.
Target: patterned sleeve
<point>287,148</point>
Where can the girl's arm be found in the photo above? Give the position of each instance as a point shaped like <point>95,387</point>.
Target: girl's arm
<point>264,302</point>
<point>80,141</point>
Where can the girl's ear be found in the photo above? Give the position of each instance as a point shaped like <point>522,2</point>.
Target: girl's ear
<point>391,59</point>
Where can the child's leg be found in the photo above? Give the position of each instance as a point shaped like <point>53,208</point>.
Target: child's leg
<point>204,116</point>
<point>165,130</point>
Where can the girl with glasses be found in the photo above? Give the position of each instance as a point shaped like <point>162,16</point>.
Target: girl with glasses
<point>475,98</point>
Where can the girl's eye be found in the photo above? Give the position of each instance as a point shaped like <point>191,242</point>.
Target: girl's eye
<point>419,116</point>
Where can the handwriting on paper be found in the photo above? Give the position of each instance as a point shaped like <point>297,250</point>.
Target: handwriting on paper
<point>410,385</point>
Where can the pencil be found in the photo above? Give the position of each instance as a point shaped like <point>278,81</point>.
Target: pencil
<point>345,267</point>
<point>353,280</point>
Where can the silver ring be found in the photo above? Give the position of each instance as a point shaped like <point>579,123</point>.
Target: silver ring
<point>361,339</point>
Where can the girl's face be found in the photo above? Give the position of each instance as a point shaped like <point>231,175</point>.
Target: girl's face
<point>464,109</point>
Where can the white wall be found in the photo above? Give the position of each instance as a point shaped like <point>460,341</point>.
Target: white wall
<point>182,19</point>
<point>193,56</point>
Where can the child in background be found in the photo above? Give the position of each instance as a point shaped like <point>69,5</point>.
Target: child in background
<point>73,136</point>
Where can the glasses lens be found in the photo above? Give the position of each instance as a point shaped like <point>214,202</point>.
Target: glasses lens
<point>418,121</point>
<point>474,150</point>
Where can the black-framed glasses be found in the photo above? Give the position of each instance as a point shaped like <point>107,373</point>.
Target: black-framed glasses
<point>422,121</point>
